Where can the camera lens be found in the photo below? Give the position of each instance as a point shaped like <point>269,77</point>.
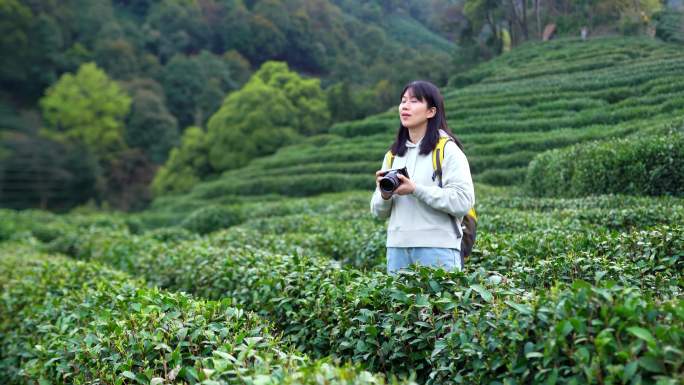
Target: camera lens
<point>389,182</point>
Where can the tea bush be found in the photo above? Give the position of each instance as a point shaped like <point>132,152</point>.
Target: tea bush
<point>649,165</point>
<point>72,322</point>
<point>316,304</point>
<point>208,219</point>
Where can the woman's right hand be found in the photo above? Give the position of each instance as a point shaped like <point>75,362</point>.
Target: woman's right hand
<point>378,175</point>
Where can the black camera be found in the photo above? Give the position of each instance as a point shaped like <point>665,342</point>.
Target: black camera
<point>390,181</point>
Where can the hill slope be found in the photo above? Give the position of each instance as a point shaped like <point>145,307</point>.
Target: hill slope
<point>538,97</point>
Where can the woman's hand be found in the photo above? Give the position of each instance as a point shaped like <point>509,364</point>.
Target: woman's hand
<point>406,187</point>
<point>378,175</point>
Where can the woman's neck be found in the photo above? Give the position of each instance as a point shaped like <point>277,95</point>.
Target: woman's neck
<point>417,133</point>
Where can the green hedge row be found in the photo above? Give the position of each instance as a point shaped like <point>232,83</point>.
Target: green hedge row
<point>375,319</point>
<point>563,56</point>
<point>641,165</point>
<point>580,119</point>
<point>630,83</point>
<point>546,105</point>
<point>290,185</point>
<point>46,226</point>
<point>635,214</point>
<point>651,260</point>
<point>360,246</point>
<point>630,74</point>
<point>484,163</point>
<point>498,143</point>
<point>364,127</point>
<point>608,202</point>
<point>501,177</point>
<point>67,322</point>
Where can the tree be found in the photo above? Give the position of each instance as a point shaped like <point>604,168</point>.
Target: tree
<point>274,107</point>
<point>31,46</point>
<point>238,66</point>
<point>150,126</point>
<point>117,57</point>
<point>186,165</point>
<point>267,41</point>
<point>340,102</point>
<point>483,11</point>
<point>305,94</point>
<point>233,32</point>
<point>195,85</point>
<point>87,107</point>
<point>15,24</point>
<point>58,176</point>
<point>177,26</point>
<point>254,121</point>
<point>128,180</point>
<point>137,7</point>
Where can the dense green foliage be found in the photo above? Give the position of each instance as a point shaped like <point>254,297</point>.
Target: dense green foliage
<point>670,25</point>
<point>69,322</point>
<point>150,126</point>
<point>546,280</point>
<point>178,60</point>
<point>274,272</point>
<point>641,165</point>
<point>88,107</point>
<point>187,164</point>
<point>536,98</point>
<point>273,108</point>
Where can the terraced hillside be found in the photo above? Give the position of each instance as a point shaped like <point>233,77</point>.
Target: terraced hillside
<point>538,97</point>
<point>245,281</point>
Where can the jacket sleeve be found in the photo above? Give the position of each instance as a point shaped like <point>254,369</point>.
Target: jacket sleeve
<point>457,194</point>
<point>381,208</point>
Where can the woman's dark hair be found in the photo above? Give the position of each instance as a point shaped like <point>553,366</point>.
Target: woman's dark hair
<point>429,93</point>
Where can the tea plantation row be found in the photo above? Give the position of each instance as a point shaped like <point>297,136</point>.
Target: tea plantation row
<point>525,261</point>
<point>68,322</point>
<point>640,165</point>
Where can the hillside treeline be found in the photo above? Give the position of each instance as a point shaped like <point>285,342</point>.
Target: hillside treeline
<point>95,95</point>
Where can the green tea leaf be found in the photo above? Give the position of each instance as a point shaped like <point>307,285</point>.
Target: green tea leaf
<point>525,309</point>
<point>484,293</point>
<point>652,364</point>
<point>642,334</point>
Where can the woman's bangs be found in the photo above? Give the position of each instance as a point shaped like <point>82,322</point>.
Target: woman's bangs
<point>416,90</point>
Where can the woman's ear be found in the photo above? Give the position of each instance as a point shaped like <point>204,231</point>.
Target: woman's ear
<point>432,112</point>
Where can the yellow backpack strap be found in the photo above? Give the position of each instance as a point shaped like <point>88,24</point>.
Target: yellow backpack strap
<point>438,158</point>
<point>473,214</point>
<point>390,159</point>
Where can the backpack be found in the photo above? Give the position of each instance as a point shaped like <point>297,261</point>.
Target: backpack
<point>468,228</point>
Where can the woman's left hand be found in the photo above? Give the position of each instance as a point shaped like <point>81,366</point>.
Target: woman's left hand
<point>406,187</point>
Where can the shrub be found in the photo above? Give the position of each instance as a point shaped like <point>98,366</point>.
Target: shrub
<point>648,165</point>
<point>65,322</point>
<point>212,218</point>
<point>475,326</point>
<point>363,127</point>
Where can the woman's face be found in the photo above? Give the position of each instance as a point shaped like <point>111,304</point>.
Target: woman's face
<point>413,112</point>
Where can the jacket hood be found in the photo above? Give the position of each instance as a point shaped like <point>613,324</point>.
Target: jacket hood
<point>409,144</point>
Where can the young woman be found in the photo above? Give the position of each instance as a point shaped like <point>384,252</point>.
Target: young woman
<point>424,218</point>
